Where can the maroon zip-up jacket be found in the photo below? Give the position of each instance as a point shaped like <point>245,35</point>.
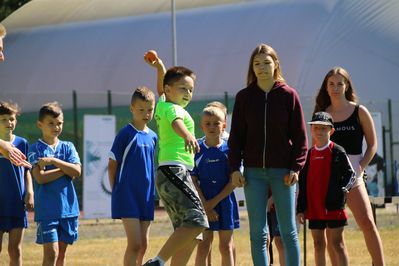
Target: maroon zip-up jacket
<point>268,130</point>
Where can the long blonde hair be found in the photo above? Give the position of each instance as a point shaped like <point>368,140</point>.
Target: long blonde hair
<point>268,50</point>
<point>3,31</point>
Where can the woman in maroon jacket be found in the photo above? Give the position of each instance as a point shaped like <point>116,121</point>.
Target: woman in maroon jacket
<point>268,133</point>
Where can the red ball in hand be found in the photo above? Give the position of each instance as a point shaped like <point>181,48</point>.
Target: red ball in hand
<point>151,56</point>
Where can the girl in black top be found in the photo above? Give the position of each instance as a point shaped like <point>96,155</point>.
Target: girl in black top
<point>352,122</point>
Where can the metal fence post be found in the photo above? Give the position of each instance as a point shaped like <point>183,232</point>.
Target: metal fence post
<point>109,102</point>
<point>226,100</point>
<point>75,119</point>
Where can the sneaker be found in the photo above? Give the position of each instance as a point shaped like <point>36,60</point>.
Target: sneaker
<point>152,263</point>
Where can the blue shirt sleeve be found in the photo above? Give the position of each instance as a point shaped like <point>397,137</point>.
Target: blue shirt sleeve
<point>119,145</point>
<point>72,155</point>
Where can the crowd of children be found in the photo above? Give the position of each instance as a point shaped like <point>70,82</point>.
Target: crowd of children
<point>194,176</point>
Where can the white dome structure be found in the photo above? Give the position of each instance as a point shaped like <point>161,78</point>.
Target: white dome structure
<point>96,46</point>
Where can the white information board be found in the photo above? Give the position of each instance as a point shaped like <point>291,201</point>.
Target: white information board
<point>99,134</point>
<point>375,169</point>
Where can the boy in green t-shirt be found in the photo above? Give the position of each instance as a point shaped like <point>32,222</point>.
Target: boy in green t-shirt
<point>177,145</point>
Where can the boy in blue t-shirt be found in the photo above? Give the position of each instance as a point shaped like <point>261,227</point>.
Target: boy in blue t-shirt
<point>131,173</point>
<point>55,165</point>
<point>211,176</point>
<point>16,191</point>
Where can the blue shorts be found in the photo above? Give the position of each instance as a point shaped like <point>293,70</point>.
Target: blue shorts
<point>9,223</point>
<point>61,230</point>
<point>273,223</point>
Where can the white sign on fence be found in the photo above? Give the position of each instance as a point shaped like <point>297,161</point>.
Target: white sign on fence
<point>99,134</point>
<point>375,169</point>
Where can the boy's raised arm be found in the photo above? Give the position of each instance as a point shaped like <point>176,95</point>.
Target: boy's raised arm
<point>151,58</point>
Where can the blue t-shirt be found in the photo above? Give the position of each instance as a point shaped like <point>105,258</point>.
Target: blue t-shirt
<point>56,199</point>
<point>12,183</point>
<point>134,189</point>
<point>213,173</point>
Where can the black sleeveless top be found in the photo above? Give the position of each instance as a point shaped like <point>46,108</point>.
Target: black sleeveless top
<point>349,133</point>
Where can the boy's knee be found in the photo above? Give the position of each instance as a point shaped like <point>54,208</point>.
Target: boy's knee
<point>143,247</point>
<point>279,244</point>
<point>319,244</point>
<point>51,254</point>
<point>338,245</point>
<point>50,257</point>
<point>226,247</point>
<point>203,249</point>
<point>135,247</point>
<point>14,251</point>
<point>61,257</point>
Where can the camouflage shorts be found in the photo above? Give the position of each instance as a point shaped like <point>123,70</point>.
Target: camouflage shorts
<point>180,198</point>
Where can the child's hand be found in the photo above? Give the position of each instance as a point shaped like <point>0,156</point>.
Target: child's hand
<point>291,178</point>
<point>237,179</point>
<point>191,144</point>
<point>29,201</point>
<point>209,205</point>
<point>43,162</point>
<point>213,216</point>
<point>301,218</point>
<point>151,58</point>
<point>15,155</point>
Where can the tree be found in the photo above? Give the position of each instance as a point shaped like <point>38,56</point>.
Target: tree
<point>9,6</point>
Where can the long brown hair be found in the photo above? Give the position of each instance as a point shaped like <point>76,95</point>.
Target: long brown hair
<point>323,99</point>
<point>268,50</point>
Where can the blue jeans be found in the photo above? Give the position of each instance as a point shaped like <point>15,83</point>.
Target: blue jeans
<point>259,180</point>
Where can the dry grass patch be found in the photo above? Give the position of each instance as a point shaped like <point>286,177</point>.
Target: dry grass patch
<point>103,243</point>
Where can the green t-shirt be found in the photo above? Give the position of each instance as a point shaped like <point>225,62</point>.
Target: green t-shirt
<point>171,145</point>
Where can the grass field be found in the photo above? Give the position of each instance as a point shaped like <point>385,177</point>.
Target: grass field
<point>102,242</point>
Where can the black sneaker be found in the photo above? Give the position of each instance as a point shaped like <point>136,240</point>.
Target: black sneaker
<point>152,263</point>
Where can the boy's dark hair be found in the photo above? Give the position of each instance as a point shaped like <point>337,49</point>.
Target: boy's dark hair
<point>142,93</point>
<point>176,73</point>
<point>9,108</point>
<point>52,109</point>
